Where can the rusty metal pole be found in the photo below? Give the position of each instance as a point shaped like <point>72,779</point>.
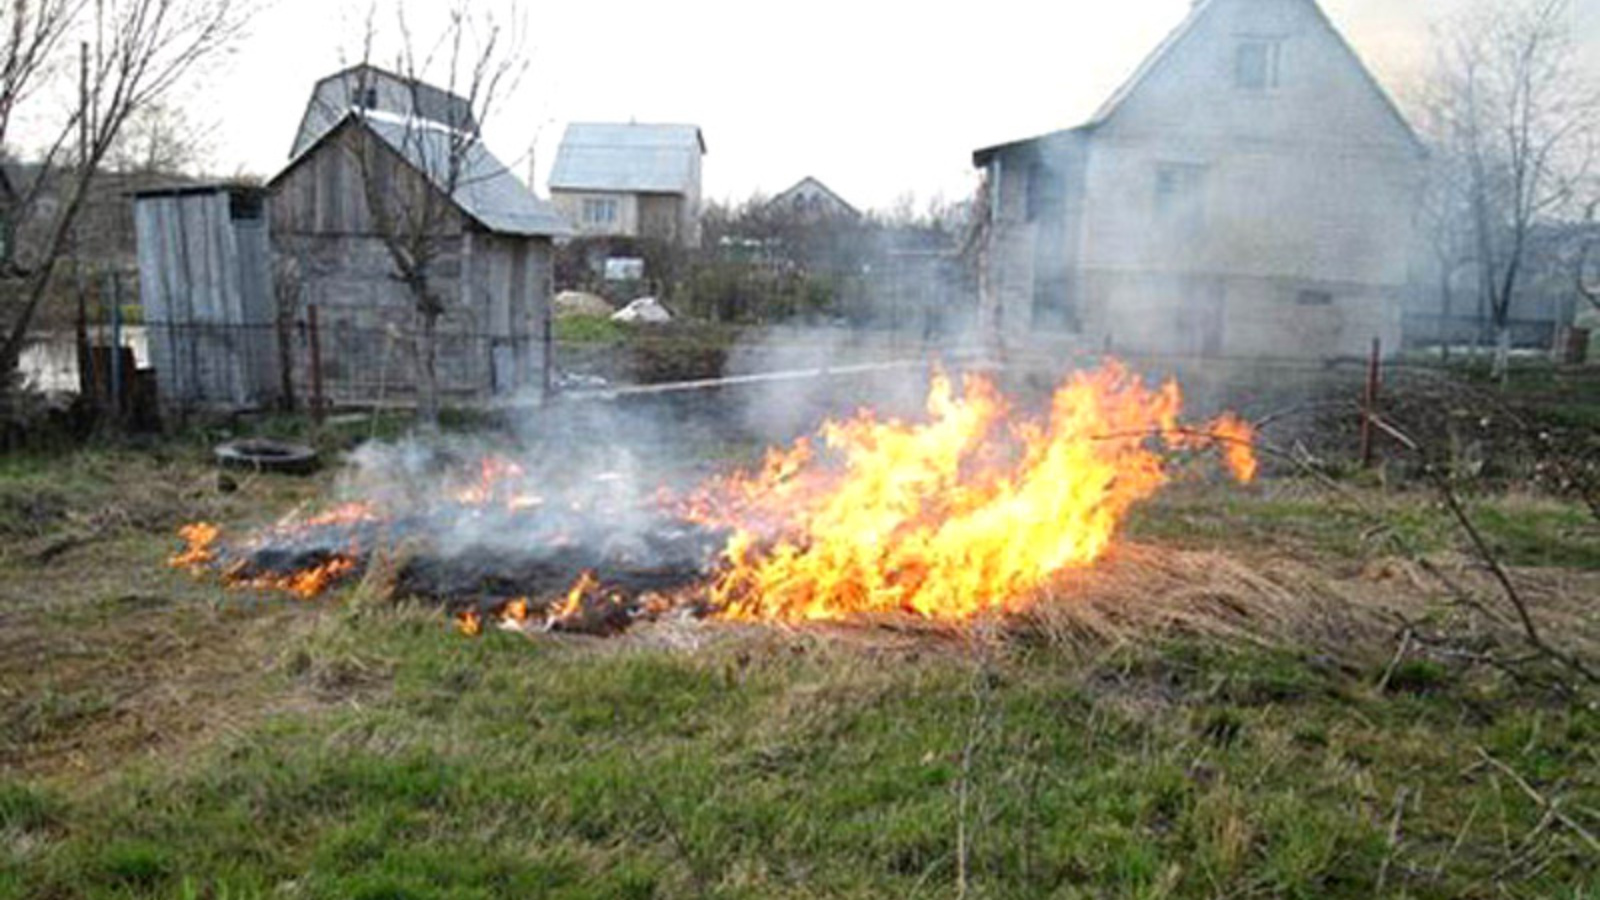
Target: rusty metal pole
<point>1369,405</point>
<point>318,410</point>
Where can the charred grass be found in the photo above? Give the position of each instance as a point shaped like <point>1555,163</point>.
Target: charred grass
<point>160,738</point>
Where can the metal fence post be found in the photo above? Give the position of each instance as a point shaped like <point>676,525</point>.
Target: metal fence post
<point>1369,405</point>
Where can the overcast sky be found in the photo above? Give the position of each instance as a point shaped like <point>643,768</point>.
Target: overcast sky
<point>875,97</point>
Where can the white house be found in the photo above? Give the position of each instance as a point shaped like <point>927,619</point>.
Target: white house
<point>1248,192</point>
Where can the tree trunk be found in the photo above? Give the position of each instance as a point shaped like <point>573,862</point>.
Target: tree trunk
<point>1502,352</point>
<point>428,372</point>
<point>1447,300</point>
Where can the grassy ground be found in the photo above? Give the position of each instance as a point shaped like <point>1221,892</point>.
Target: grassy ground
<point>161,738</point>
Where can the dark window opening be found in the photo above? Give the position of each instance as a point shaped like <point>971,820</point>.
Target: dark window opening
<point>1180,193</point>
<point>1047,192</point>
<point>1054,306</point>
<point>1256,64</point>
<point>245,205</point>
<point>1314,298</point>
<point>367,98</point>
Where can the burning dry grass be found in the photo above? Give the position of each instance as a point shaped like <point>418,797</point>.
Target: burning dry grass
<point>967,513</point>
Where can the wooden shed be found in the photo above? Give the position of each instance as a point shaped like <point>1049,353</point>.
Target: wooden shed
<point>492,275</point>
<point>205,280</point>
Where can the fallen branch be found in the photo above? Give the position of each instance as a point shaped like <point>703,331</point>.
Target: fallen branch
<point>1452,502</point>
<point>1400,798</point>
<point>1399,657</point>
<point>1551,807</point>
<point>1531,633</point>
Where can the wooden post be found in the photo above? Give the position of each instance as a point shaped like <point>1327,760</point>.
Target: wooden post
<point>1369,404</point>
<point>317,408</point>
<point>116,344</point>
<point>547,366</point>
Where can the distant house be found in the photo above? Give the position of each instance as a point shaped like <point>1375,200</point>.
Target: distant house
<point>494,275</point>
<point>1248,192</point>
<point>631,180</point>
<point>811,199</point>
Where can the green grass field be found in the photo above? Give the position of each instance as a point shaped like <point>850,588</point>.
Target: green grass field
<point>162,738</point>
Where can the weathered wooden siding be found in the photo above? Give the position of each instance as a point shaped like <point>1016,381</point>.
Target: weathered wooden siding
<point>496,289</point>
<point>326,193</point>
<point>206,287</point>
<point>512,282</point>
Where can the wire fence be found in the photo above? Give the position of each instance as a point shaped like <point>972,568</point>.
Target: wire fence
<point>321,361</point>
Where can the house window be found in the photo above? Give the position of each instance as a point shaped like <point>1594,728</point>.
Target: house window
<point>599,211</point>
<point>1054,306</point>
<point>367,98</point>
<point>1314,298</point>
<point>1047,192</point>
<point>1256,64</point>
<point>1179,192</point>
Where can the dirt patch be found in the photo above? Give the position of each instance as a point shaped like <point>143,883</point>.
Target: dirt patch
<point>103,666</point>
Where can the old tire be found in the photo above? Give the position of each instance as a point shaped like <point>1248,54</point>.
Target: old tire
<point>257,455</point>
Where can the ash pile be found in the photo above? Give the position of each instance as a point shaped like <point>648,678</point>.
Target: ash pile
<point>489,549</point>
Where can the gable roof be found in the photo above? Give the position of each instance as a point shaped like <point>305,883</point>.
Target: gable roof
<point>1169,46</point>
<point>486,191</point>
<point>632,158</point>
<point>432,103</point>
<point>1181,35</point>
<point>817,185</point>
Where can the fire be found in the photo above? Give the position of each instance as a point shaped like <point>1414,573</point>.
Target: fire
<point>968,513</point>
<point>971,510</point>
<point>307,584</point>
<point>497,481</point>
<point>516,611</point>
<point>347,514</point>
<point>571,606</point>
<point>200,541</point>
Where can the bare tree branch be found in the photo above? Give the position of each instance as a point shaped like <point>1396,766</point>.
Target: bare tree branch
<point>413,172</point>
<point>142,49</point>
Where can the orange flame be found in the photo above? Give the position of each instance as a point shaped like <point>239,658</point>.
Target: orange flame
<point>306,584</point>
<point>571,606</point>
<point>516,611</point>
<point>349,514</point>
<point>969,512</point>
<point>201,550</point>
<point>496,477</point>
<point>965,514</point>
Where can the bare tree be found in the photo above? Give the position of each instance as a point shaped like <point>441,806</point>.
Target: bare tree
<point>1510,107</point>
<point>161,139</point>
<point>414,164</point>
<point>33,32</point>
<point>1587,269</point>
<point>130,53</point>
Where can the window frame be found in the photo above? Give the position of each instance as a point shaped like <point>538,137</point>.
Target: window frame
<point>1265,73</point>
<point>1179,192</point>
<point>611,207</point>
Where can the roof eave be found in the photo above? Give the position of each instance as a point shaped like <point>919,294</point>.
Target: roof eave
<point>982,157</point>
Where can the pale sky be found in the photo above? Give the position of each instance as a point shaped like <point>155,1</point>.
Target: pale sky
<point>876,98</point>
